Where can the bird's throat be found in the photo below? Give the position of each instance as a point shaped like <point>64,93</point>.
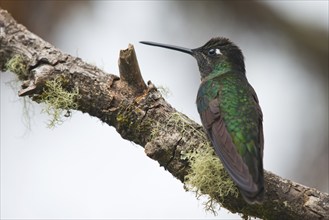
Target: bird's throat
<point>220,69</point>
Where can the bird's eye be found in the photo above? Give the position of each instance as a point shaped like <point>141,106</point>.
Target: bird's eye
<point>214,51</point>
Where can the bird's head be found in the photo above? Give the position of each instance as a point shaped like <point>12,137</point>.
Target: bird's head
<point>215,57</point>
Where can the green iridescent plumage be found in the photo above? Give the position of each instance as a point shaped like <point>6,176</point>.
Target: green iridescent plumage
<point>237,106</point>
<point>230,113</point>
<point>234,107</point>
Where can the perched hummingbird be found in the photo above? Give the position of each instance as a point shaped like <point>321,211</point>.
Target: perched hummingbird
<point>230,113</point>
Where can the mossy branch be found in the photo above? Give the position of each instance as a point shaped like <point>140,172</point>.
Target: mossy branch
<point>58,101</point>
<point>140,114</point>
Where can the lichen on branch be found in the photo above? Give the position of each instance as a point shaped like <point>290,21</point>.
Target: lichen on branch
<point>207,177</point>
<point>58,102</point>
<point>16,65</point>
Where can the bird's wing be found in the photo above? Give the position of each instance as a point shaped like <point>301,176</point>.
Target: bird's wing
<point>225,148</point>
<point>260,122</point>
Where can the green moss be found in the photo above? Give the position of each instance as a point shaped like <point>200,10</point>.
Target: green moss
<point>183,125</point>
<point>129,123</point>
<point>155,132</point>
<point>58,101</point>
<point>208,177</point>
<point>179,122</point>
<point>17,65</point>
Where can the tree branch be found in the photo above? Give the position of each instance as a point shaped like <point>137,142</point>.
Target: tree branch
<point>140,114</point>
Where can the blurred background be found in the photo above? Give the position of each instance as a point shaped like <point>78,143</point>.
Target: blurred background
<point>84,169</point>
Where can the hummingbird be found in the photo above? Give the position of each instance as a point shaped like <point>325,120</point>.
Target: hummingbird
<point>230,113</point>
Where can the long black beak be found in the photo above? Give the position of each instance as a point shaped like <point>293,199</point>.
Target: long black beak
<point>172,47</point>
